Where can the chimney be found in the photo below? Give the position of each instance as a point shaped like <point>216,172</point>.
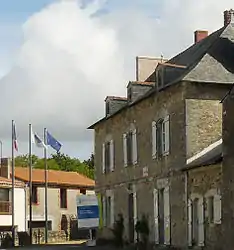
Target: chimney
<point>228,16</point>
<point>199,35</point>
<point>5,168</point>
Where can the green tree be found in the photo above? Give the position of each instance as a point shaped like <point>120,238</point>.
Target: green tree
<point>23,160</point>
<point>90,161</point>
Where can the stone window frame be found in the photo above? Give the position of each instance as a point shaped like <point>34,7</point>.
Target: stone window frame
<point>132,129</point>
<point>215,193</point>
<point>111,161</point>
<point>161,137</point>
<point>201,237</point>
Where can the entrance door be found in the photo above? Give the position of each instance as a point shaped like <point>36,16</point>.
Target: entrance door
<point>161,216</point>
<point>131,226</point>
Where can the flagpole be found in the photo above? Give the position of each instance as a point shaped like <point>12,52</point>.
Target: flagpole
<point>13,186</point>
<point>30,182</point>
<point>46,188</point>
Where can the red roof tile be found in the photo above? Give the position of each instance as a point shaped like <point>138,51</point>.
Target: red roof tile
<point>54,177</point>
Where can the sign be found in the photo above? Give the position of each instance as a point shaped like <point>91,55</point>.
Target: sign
<point>87,211</point>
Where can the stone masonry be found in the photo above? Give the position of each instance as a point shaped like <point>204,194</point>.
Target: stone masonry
<point>175,101</point>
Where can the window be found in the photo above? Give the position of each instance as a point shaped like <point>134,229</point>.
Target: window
<point>160,137</point>
<point>210,208</point>
<point>4,194</point>
<point>130,148</point>
<point>82,191</point>
<point>63,198</point>
<point>108,209</point>
<point>108,156</point>
<point>34,195</point>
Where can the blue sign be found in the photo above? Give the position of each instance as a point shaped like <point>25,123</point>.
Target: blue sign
<point>88,212</point>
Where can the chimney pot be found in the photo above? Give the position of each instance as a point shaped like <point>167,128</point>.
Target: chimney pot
<point>228,17</point>
<point>200,35</point>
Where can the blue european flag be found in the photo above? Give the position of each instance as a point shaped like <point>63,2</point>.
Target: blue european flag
<point>56,145</point>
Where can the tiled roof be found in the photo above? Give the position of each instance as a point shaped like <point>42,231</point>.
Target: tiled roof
<point>8,182</point>
<point>54,177</point>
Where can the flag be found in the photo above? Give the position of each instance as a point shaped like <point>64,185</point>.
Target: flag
<point>35,139</point>
<point>38,141</point>
<point>14,137</point>
<point>51,141</point>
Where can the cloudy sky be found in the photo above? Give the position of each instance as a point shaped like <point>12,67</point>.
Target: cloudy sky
<point>61,58</point>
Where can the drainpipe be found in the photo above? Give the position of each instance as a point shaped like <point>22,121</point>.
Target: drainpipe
<point>186,201</point>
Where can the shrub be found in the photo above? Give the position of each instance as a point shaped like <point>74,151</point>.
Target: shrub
<point>118,231</point>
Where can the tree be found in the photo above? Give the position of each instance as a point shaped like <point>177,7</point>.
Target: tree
<point>90,161</point>
<point>58,161</point>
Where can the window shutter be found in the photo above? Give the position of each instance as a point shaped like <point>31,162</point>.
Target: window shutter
<point>104,210</point>
<point>201,222</point>
<point>167,134</point>
<point>103,158</point>
<point>134,147</point>
<point>217,209</point>
<point>154,140</point>
<point>189,233</point>
<point>112,156</point>
<point>125,150</point>
<point>112,216</point>
<point>167,222</point>
<point>156,217</point>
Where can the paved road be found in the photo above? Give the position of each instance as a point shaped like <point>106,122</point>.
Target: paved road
<point>61,247</point>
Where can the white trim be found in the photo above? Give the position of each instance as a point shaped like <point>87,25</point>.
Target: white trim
<point>204,151</point>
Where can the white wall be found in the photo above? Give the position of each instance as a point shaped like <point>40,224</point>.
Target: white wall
<point>6,220</point>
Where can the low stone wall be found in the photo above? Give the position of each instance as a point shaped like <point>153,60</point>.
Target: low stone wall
<point>53,236</point>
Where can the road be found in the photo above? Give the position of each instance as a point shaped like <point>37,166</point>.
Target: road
<point>61,247</point>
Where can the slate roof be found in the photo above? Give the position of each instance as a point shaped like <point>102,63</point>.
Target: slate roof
<point>55,177</point>
<point>210,61</point>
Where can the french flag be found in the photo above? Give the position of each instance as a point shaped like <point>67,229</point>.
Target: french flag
<point>14,138</point>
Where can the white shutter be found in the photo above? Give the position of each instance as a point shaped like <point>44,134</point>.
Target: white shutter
<point>167,222</point>
<point>154,141</point>
<point>156,217</point>
<point>217,209</point>
<point>125,150</point>
<point>201,222</point>
<point>104,210</point>
<point>112,211</point>
<point>111,155</point>
<point>103,158</point>
<point>134,211</point>
<point>167,134</point>
<point>134,147</point>
<point>189,233</point>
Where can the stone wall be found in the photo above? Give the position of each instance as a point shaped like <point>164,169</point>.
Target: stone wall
<point>203,124</point>
<point>201,182</point>
<point>170,101</point>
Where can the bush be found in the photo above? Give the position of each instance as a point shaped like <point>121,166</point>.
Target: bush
<point>142,230</point>
<point>118,231</point>
<point>7,241</point>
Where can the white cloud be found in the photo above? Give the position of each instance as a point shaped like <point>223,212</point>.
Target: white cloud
<point>69,61</point>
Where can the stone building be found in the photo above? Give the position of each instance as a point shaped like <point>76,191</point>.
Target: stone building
<point>158,152</point>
